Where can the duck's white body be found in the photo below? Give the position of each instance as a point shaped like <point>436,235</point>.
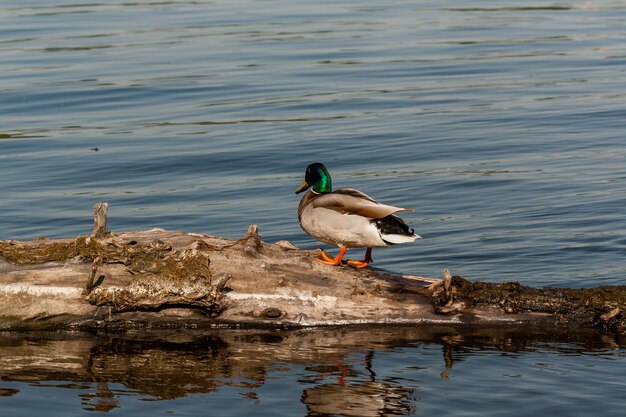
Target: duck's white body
<point>351,219</point>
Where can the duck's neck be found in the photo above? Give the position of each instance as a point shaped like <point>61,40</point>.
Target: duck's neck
<point>323,185</point>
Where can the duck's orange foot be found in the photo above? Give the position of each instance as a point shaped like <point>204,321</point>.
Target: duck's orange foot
<point>324,256</point>
<point>365,262</point>
<point>357,264</point>
<point>327,260</point>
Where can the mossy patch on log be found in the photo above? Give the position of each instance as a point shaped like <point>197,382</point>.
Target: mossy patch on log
<point>155,292</point>
<point>156,257</point>
<point>590,306</point>
<point>43,250</point>
<point>161,275</point>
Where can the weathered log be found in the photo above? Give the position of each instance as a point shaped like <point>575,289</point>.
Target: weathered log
<point>176,279</point>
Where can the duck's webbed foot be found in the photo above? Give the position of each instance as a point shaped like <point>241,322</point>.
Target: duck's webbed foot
<point>327,260</point>
<point>362,264</point>
<point>357,264</point>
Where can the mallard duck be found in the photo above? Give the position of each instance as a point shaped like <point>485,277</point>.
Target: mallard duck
<point>348,218</point>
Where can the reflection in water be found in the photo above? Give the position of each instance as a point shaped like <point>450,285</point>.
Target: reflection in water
<point>359,400</point>
<point>8,392</point>
<point>340,365</point>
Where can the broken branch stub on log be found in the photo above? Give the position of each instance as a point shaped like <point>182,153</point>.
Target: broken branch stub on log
<point>100,211</point>
<point>177,279</point>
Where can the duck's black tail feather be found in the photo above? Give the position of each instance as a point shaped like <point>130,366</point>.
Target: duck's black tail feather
<point>393,230</point>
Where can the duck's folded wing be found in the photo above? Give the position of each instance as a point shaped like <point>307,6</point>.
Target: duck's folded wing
<point>351,201</point>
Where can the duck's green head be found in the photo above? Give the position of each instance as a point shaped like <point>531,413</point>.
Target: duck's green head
<point>318,178</point>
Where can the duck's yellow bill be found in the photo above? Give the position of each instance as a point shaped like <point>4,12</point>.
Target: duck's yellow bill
<point>302,187</point>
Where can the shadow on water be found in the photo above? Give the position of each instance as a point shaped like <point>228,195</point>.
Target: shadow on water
<point>340,373</point>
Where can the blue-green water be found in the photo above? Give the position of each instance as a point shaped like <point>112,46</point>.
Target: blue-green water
<point>501,123</point>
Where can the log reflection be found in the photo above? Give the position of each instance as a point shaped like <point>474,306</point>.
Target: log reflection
<point>338,366</point>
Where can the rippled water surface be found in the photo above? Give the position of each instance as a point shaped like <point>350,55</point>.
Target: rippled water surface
<point>349,372</point>
<point>501,123</point>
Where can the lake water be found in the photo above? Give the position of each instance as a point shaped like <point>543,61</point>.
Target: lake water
<point>501,123</point>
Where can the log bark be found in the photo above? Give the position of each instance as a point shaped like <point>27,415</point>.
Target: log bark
<point>177,279</point>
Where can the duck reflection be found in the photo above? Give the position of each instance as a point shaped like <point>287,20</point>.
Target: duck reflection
<point>350,395</point>
<point>362,399</point>
<point>339,366</point>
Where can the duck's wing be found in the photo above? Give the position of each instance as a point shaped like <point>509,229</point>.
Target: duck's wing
<point>351,201</point>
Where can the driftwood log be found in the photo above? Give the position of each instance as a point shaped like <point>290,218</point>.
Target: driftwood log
<point>160,278</point>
